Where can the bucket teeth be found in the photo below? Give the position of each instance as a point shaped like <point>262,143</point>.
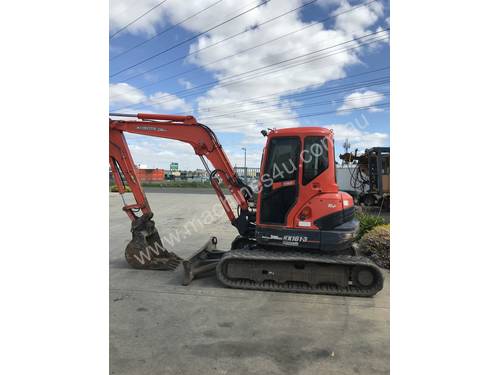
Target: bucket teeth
<point>169,264</point>
<point>172,262</point>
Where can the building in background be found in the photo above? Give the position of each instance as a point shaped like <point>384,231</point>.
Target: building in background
<point>199,175</point>
<point>151,175</point>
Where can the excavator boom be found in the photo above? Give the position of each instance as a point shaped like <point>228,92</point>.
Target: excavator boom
<point>146,249</point>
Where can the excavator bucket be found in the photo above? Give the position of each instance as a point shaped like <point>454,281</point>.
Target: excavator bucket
<point>146,251</point>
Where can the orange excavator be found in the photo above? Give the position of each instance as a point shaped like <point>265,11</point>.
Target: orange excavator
<point>295,234</point>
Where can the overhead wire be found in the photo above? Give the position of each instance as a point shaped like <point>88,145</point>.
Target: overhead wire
<point>180,74</point>
<point>290,92</point>
<point>229,114</point>
<point>308,105</point>
<point>296,93</point>
<point>221,126</point>
<point>324,103</point>
<point>315,58</point>
<point>245,31</point>
<point>220,59</point>
<point>164,31</point>
<point>137,19</point>
<point>189,39</point>
<point>172,96</point>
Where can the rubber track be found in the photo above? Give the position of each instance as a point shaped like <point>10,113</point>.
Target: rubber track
<point>296,287</point>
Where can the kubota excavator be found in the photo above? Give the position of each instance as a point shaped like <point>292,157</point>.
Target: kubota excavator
<point>295,235</point>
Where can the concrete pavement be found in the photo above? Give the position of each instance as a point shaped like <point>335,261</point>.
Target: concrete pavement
<point>158,326</point>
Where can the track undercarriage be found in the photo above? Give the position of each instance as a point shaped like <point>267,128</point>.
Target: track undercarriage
<point>249,265</point>
<point>298,271</point>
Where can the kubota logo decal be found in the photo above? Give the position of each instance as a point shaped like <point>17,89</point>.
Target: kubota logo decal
<point>152,128</point>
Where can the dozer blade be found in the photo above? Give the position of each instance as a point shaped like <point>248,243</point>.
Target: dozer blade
<point>145,251</point>
<point>203,261</point>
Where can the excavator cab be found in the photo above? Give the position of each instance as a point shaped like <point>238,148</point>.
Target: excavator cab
<point>299,203</point>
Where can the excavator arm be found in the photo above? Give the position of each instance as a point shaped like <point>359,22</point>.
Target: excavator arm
<point>145,239</point>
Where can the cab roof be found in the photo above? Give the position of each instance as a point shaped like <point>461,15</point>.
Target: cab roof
<point>301,131</point>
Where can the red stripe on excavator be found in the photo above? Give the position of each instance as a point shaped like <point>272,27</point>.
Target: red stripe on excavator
<point>281,184</point>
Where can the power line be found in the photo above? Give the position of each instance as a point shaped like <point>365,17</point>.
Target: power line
<point>180,58</point>
<point>311,94</point>
<point>190,38</point>
<point>242,125</point>
<point>301,106</point>
<point>137,19</point>
<point>281,69</point>
<point>271,65</point>
<point>172,96</point>
<point>353,109</point>
<point>300,96</point>
<point>293,92</point>
<point>279,94</point>
<point>274,64</point>
<point>234,126</point>
<point>210,63</point>
<point>304,95</point>
<point>247,30</point>
<point>257,111</point>
<point>259,108</point>
<point>223,58</point>
<point>164,31</point>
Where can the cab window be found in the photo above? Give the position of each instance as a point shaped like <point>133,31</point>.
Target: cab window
<point>282,160</point>
<point>315,158</point>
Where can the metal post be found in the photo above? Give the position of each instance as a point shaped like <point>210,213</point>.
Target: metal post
<point>245,165</point>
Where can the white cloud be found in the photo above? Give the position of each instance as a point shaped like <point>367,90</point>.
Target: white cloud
<point>122,12</point>
<point>159,153</point>
<point>361,99</point>
<point>356,23</point>
<point>123,94</point>
<point>185,83</point>
<point>169,102</point>
<point>360,21</point>
<point>358,138</point>
<point>237,157</point>
<point>295,79</point>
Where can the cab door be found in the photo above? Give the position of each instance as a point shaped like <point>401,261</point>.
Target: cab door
<point>280,185</point>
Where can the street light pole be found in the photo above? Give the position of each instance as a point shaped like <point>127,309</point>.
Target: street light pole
<point>245,165</point>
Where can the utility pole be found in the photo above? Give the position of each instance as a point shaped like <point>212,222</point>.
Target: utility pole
<point>245,165</point>
<point>346,146</point>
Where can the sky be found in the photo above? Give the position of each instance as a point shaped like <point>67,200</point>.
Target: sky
<point>284,63</point>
